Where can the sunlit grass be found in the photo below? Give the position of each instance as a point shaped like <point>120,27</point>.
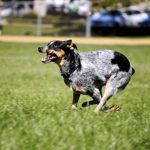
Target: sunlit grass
<point>35,105</point>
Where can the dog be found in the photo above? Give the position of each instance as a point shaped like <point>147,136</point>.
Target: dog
<point>87,72</point>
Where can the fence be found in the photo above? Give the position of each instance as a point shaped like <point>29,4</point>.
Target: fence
<point>19,19</point>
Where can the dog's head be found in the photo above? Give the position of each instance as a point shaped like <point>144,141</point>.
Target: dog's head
<point>56,50</point>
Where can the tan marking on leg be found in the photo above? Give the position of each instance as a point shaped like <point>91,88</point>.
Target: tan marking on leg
<point>79,89</point>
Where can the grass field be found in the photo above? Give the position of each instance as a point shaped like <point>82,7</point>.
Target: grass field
<point>35,109</point>
<point>47,30</point>
<point>26,29</point>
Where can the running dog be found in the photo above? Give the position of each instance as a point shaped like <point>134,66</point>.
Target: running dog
<point>87,72</point>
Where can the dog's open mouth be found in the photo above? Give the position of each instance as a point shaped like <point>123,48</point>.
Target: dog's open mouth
<point>50,57</point>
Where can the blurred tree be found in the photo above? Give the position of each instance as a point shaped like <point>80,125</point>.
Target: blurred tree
<point>97,4</point>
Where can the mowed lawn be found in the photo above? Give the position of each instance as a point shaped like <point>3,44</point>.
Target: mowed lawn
<point>35,111</point>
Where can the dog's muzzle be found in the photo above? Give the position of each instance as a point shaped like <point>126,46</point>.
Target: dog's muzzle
<point>50,57</point>
<point>40,49</point>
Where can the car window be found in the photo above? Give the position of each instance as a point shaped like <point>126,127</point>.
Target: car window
<point>20,6</point>
<point>115,13</point>
<point>104,13</point>
<point>133,12</point>
<point>31,6</point>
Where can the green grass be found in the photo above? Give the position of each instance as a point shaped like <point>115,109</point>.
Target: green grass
<point>53,30</point>
<point>35,109</point>
<point>27,29</point>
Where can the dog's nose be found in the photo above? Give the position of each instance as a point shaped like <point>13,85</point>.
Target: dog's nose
<point>40,49</point>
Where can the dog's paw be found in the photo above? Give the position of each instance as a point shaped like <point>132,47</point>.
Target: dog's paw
<point>113,108</point>
<point>74,107</point>
<point>96,111</point>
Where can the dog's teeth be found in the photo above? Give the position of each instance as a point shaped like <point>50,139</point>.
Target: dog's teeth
<point>43,59</point>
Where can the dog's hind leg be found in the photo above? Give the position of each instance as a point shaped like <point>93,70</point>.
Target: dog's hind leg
<point>106,96</point>
<point>75,100</point>
<point>110,90</point>
<point>115,84</point>
<point>89,103</point>
<point>96,94</point>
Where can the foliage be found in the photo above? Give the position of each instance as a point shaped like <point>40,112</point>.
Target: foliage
<point>30,15</point>
<point>35,105</point>
<point>113,3</point>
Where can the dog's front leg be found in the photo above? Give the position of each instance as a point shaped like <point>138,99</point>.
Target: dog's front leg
<point>75,100</point>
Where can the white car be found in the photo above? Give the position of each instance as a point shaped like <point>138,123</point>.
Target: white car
<point>81,7</point>
<point>134,16</point>
<point>16,10</point>
<point>6,11</point>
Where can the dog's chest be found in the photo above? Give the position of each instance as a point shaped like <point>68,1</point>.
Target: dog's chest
<point>67,81</point>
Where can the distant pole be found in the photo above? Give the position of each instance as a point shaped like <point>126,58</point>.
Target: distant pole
<point>88,22</point>
<point>0,24</point>
<point>88,25</point>
<point>13,7</point>
<point>39,25</point>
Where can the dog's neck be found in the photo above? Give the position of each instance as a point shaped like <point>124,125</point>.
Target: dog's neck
<point>69,64</point>
<point>60,62</point>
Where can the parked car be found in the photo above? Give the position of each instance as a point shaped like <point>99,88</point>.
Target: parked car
<point>18,9</point>
<point>22,9</point>
<point>6,10</point>
<point>111,19</point>
<point>134,16</point>
<point>146,22</point>
<point>81,7</point>
<point>147,11</point>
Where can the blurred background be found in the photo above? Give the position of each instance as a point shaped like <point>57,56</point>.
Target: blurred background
<point>75,17</point>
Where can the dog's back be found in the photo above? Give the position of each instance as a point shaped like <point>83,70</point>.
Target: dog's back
<point>105,63</point>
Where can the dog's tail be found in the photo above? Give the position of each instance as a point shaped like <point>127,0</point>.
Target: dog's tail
<point>132,71</point>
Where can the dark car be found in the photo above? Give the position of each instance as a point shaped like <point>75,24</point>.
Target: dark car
<point>146,22</point>
<point>109,19</point>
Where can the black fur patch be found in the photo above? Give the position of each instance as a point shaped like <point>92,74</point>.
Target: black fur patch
<point>72,62</point>
<point>121,61</point>
<point>55,45</point>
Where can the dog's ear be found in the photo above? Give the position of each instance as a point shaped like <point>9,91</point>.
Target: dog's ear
<point>74,46</point>
<point>68,44</point>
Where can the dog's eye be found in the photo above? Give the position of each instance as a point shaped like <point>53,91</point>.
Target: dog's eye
<point>50,46</point>
<point>55,46</point>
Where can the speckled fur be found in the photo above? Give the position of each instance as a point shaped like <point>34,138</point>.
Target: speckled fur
<point>96,70</point>
<point>87,72</point>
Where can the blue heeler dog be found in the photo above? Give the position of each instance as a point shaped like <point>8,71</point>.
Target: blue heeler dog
<point>87,72</point>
